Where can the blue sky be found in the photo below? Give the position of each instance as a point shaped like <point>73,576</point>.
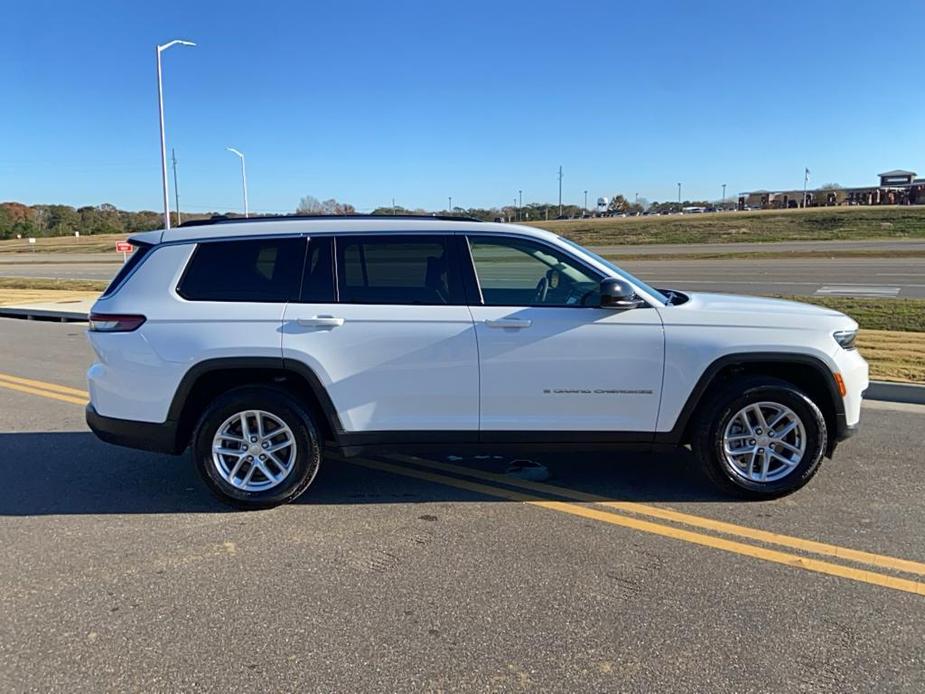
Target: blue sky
<point>369,101</point>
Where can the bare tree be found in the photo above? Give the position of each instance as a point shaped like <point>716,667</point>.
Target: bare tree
<point>309,205</point>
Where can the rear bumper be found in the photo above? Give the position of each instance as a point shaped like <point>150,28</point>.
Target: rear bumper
<point>145,436</point>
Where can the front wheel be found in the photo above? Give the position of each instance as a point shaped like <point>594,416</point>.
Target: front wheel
<point>760,438</point>
<point>256,448</point>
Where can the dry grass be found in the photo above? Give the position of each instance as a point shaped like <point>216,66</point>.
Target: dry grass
<point>64,244</point>
<point>16,297</point>
<point>38,283</point>
<point>894,356</point>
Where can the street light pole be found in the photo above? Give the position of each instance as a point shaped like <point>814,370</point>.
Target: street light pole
<point>243,176</point>
<point>679,193</point>
<point>160,108</point>
<point>520,204</point>
<point>450,198</point>
<point>586,202</point>
<point>724,195</point>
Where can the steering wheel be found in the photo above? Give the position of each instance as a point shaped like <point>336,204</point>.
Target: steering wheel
<point>542,288</point>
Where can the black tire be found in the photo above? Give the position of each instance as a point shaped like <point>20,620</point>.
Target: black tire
<point>281,405</point>
<point>707,442</point>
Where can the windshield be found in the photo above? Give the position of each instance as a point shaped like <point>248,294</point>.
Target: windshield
<point>619,271</point>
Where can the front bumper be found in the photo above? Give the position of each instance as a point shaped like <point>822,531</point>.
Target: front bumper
<point>145,436</point>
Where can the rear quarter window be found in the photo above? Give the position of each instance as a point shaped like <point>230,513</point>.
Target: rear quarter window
<point>134,260</point>
<point>259,270</point>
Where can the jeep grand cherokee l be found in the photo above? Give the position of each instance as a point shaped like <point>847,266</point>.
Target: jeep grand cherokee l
<point>262,344</point>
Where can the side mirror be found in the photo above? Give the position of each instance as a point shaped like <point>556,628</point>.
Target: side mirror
<point>619,295</point>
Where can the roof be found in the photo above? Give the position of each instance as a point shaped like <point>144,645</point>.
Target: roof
<point>222,219</point>
<point>897,172</point>
<point>297,226</point>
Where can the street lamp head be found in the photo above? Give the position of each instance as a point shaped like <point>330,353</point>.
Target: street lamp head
<point>234,151</point>
<point>175,42</point>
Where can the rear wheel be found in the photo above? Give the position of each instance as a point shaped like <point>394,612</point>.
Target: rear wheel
<point>257,447</point>
<point>760,438</point>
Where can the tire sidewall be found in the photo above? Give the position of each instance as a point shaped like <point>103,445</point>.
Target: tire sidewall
<point>813,424</point>
<point>279,404</point>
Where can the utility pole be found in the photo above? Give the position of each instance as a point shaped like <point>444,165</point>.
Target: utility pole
<point>636,200</point>
<point>451,204</point>
<point>805,181</point>
<point>176,189</point>
<point>393,207</point>
<point>679,194</point>
<point>586,202</point>
<point>560,190</point>
<point>724,195</point>
<point>520,204</point>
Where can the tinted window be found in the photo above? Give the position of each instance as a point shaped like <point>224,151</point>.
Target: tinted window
<point>318,280</point>
<point>396,270</point>
<point>141,250</point>
<point>515,272</point>
<point>263,270</point>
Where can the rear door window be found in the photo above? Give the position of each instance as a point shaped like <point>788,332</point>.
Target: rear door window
<point>260,270</point>
<point>397,269</point>
<point>318,277</point>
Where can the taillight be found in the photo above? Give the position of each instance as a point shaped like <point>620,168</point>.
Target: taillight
<point>115,322</point>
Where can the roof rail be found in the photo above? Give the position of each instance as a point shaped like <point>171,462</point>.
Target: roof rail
<point>222,219</point>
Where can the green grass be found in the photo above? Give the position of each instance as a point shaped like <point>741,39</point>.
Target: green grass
<point>766,255</point>
<point>906,315</point>
<point>63,285</point>
<point>818,224</point>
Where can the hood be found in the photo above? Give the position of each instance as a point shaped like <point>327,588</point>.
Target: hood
<point>733,309</point>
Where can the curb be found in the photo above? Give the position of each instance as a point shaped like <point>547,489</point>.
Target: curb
<point>896,392</point>
<point>62,316</point>
<point>887,391</point>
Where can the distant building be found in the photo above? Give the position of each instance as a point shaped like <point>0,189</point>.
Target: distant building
<point>896,188</point>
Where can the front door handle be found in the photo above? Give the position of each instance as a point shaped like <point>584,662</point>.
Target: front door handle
<point>321,322</point>
<point>508,323</point>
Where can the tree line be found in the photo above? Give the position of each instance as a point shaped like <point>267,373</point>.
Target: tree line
<point>19,220</point>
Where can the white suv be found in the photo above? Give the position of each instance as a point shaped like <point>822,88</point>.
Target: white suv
<point>263,343</point>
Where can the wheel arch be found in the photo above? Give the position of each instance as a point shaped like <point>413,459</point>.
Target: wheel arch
<point>804,371</point>
<point>209,378</point>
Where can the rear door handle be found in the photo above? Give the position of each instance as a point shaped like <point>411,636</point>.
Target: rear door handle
<point>508,323</point>
<point>321,322</point>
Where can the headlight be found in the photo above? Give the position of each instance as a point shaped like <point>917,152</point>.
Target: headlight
<point>846,338</point>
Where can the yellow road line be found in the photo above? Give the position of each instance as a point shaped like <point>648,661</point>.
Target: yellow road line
<point>43,393</point>
<point>843,553</point>
<point>42,385</point>
<point>723,544</point>
<point>67,394</point>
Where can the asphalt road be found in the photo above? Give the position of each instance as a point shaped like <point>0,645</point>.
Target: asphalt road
<point>877,277</point>
<point>121,573</point>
